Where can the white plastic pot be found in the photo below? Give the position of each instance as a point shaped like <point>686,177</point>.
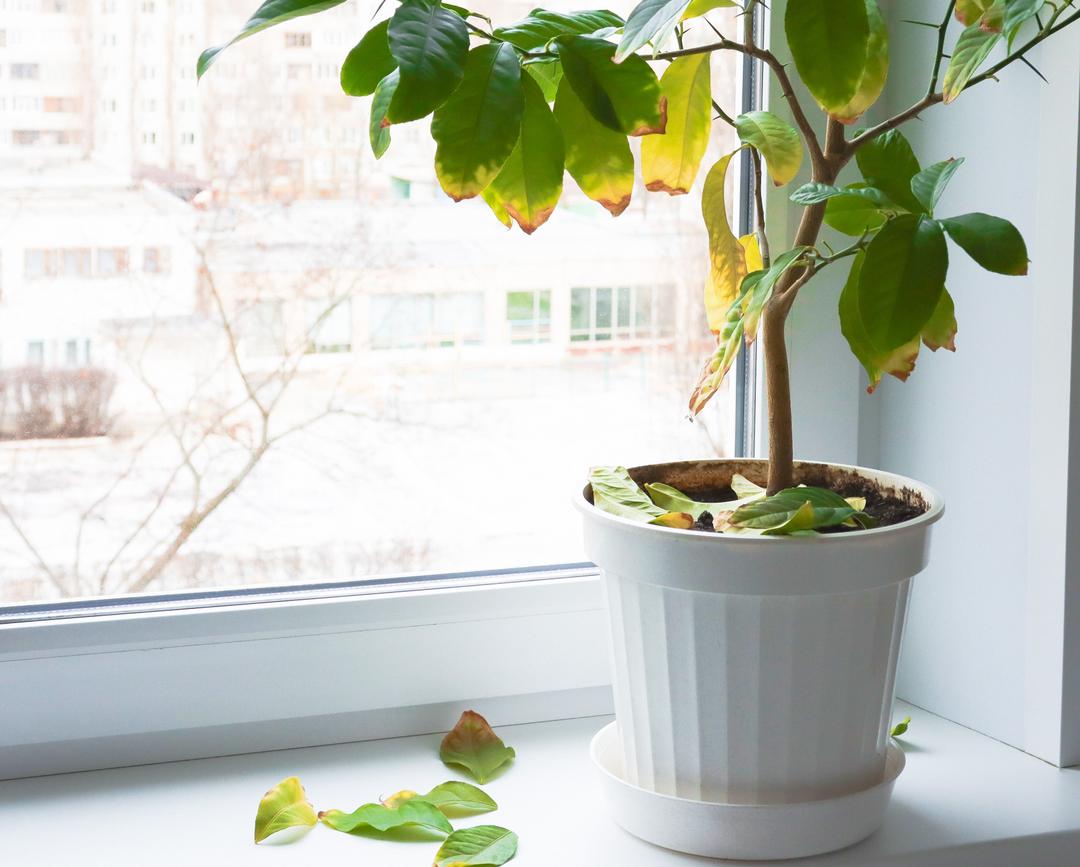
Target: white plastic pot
<point>756,670</point>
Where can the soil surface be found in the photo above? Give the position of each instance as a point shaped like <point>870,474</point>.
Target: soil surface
<point>885,508</point>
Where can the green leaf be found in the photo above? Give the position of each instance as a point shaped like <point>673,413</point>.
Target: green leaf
<point>814,192</point>
<point>650,18</point>
<point>616,493</point>
<point>970,11</point>
<point>900,728</point>
<point>377,126</point>
<point>972,48</point>
<point>530,182</point>
<point>368,63</point>
<point>829,40</point>
<point>888,163</point>
<point>624,97</point>
<point>487,845</point>
<point>376,817</point>
<point>597,158</point>
<point>875,72</point>
<point>776,140</point>
<point>674,500</point>
<point>547,74</point>
<point>928,185</point>
<point>284,806</point>
<point>697,8</point>
<point>902,279</point>
<point>763,287</point>
<point>476,128</point>
<point>670,162</point>
<point>473,745</point>
<point>1017,14</point>
<point>430,44</point>
<point>940,330</point>
<point>744,488</point>
<point>267,15</point>
<point>991,241</point>
<point>854,213</point>
<point>541,26</point>
<point>794,509</point>
<point>453,798</point>
<point>899,362</point>
<point>727,256</point>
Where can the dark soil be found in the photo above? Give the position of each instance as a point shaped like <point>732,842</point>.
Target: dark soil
<point>708,481</point>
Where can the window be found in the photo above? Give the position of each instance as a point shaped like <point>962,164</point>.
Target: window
<point>35,353</point>
<point>262,327</point>
<point>112,261</point>
<point>329,325</point>
<point>426,320</point>
<point>528,316</point>
<point>155,260</point>
<point>387,329</point>
<point>623,313</point>
<point>25,71</point>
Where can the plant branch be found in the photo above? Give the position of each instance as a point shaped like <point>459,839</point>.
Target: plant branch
<point>934,97</point>
<point>759,203</point>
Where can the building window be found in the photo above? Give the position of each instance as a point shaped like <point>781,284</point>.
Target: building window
<point>261,326</point>
<point>602,313</point>
<point>528,316</point>
<point>58,104</point>
<point>155,260</point>
<point>39,263</point>
<point>297,40</point>
<point>75,262</point>
<point>187,138</point>
<point>35,353</point>
<point>329,323</point>
<point>427,320</point>
<point>26,71</point>
<point>112,261</point>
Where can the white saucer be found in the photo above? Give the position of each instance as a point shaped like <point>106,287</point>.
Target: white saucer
<point>753,832</point>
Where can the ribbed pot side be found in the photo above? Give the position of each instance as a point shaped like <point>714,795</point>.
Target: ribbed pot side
<point>749,669</point>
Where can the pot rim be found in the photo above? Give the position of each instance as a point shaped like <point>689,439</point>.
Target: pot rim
<point>934,500</point>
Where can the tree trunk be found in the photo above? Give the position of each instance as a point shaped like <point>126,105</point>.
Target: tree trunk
<point>777,373</point>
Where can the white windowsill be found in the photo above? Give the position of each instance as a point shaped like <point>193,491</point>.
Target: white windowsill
<point>963,799</point>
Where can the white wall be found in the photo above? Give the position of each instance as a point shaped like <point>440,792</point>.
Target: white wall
<point>989,426</point>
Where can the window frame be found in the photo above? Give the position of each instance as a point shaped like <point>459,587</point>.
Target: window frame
<point>130,680</point>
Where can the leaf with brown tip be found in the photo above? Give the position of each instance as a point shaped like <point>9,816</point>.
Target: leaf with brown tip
<point>284,806</point>
<point>473,745</point>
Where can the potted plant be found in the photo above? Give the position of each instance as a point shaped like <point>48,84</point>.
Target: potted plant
<point>750,669</point>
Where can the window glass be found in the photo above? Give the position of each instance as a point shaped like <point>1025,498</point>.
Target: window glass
<point>265,356</point>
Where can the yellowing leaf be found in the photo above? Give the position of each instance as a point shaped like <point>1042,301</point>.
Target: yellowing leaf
<point>487,845</point>
<point>727,258</point>
<point>972,48</point>
<point>700,7</point>
<point>530,182</point>
<point>941,330</point>
<point>675,520</point>
<point>473,745</point>
<point>751,253</point>
<point>743,487</point>
<point>776,140</point>
<point>597,158</point>
<point>970,11</point>
<point>452,798</point>
<point>284,806</point>
<point>377,817</point>
<point>669,162</point>
<point>716,366</point>
<point>875,72</point>
<point>476,129</point>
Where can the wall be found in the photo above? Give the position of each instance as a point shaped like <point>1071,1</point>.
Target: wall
<point>990,425</point>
